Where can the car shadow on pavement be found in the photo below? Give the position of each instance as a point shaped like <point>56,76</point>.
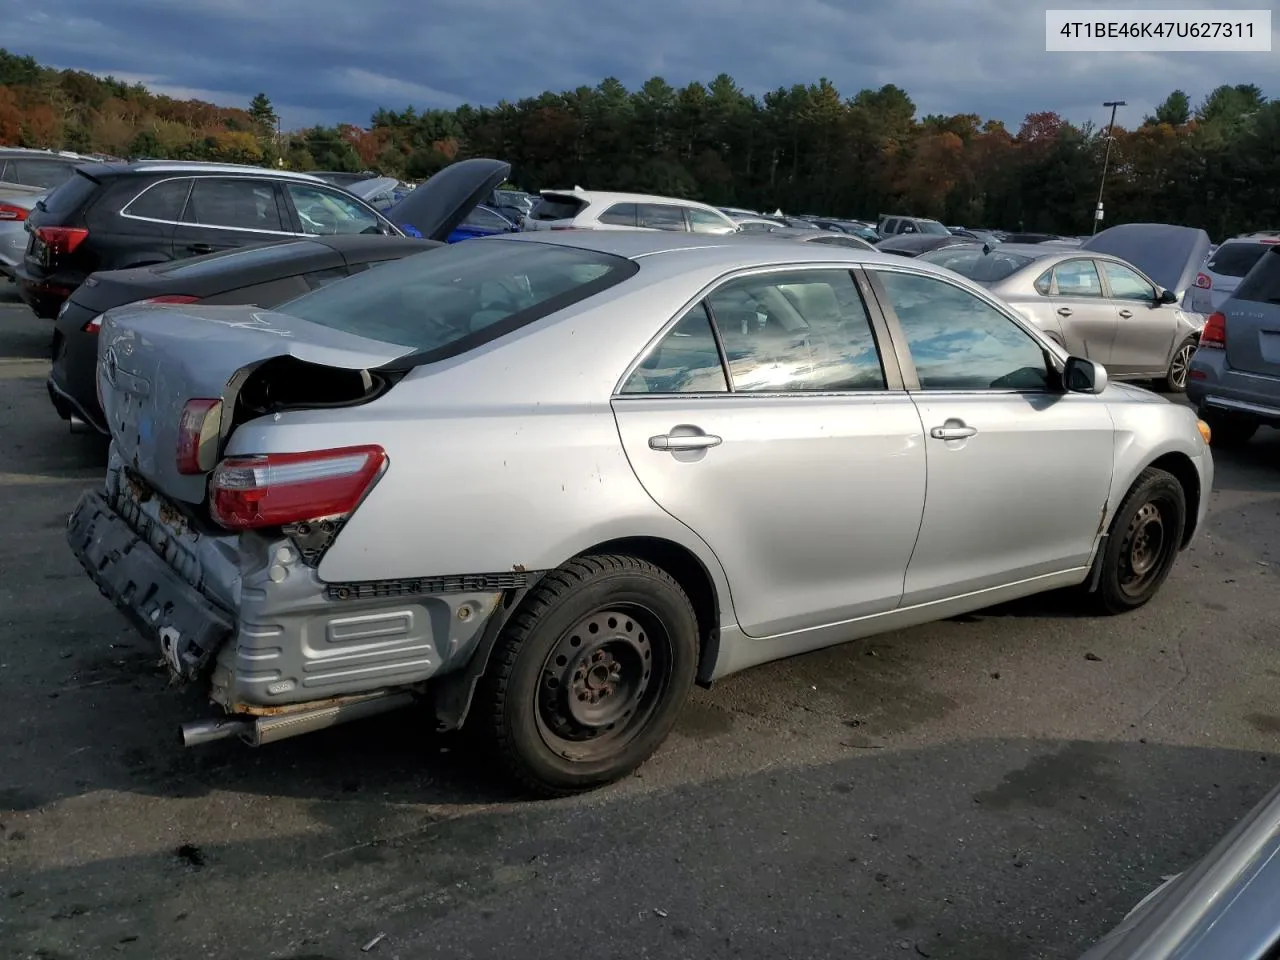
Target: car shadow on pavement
<point>970,850</point>
<point>1256,464</point>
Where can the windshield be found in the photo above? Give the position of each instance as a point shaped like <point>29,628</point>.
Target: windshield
<point>447,301</point>
<point>1236,259</point>
<point>973,263</point>
<point>932,226</point>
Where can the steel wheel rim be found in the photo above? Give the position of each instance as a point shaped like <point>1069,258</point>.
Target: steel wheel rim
<point>602,682</point>
<point>1144,549</point>
<point>1181,365</point>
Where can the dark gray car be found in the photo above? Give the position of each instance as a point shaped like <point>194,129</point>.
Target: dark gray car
<point>1235,374</point>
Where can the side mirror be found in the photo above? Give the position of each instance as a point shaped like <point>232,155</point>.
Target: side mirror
<point>1167,296</point>
<point>1083,376</point>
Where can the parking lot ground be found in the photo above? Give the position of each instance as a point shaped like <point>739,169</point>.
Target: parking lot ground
<point>1003,785</point>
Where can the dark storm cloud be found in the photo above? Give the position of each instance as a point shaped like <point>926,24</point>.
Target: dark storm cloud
<point>335,60</point>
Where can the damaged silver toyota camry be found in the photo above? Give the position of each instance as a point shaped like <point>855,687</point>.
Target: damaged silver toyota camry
<point>547,483</point>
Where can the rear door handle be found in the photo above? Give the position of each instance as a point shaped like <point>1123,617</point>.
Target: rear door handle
<point>200,248</point>
<point>1126,314</point>
<point>953,431</point>
<point>698,441</point>
<point>1064,311</point>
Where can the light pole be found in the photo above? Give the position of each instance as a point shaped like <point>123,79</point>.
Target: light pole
<point>1097,214</point>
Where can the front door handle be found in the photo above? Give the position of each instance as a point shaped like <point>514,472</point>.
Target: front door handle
<point>200,248</point>
<point>1064,311</point>
<point>1126,314</point>
<point>697,441</point>
<point>953,431</point>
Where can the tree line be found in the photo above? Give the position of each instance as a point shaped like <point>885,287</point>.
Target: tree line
<point>804,149</point>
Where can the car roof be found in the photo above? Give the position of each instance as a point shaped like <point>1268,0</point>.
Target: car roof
<point>193,166</point>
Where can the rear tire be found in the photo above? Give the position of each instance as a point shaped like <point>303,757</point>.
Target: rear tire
<point>1144,541</point>
<point>1228,429</point>
<point>589,677</point>
<point>1175,380</point>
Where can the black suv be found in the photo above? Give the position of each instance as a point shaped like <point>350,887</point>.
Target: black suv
<point>110,216</point>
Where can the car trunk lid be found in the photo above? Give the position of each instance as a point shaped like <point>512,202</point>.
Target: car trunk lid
<point>434,210</point>
<point>1168,254</point>
<point>1253,319</point>
<point>154,360</point>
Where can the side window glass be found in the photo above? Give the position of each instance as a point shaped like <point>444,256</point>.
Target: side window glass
<point>326,213</point>
<point>239,204</point>
<point>40,172</point>
<point>1044,283</point>
<point>800,331</point>
<point>703,221</point>
<point>659,216</point>
<point>1127,285</point>
<point>684,361</point>
<point>1078,278</point>
<point>960,342</point>
<point>160,201</point>
<point>620,215</point>
<point>485,219</point>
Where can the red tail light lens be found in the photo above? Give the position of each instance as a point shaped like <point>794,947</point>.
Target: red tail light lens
<point>94,325</point>
<point>61,240</point>
<point>198,430</point>
<point>9,212</point>
<point>282,488</point>
<point>1204,281</point>
<point>1214,334</point>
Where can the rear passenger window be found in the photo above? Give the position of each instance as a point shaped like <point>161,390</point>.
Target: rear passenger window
<point>239,204</point>
<point>659,216</point>
<point>160,201</point>
<point>801,331</point>
<point>686,360</point>
<point>40,172</point>
<point>620,215</point>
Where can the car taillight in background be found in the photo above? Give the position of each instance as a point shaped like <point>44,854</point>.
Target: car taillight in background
<point>1204,281</point>
<point>94,325</point>
<point>277,489</point>
<point>1214,334</point>
<point>9,212</point>
<point>61,240</point>
<point>199,429</point>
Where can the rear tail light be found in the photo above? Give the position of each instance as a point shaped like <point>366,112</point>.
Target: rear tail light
<point>94,325</point>
<point>199,428</point>
<point>61,240</point>
<point>1214,334</point>
<point>9,212</point>
<point>276,489</point>
<point>1204,281</point>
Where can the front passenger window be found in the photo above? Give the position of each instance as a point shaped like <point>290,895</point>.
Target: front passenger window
<point>686,360</point>
<point>325,213</point>
<point>960,342</point>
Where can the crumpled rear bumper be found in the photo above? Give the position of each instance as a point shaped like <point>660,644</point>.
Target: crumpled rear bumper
<point>187,627</point>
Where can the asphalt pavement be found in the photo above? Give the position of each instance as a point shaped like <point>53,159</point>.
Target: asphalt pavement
<point>1003,785</point>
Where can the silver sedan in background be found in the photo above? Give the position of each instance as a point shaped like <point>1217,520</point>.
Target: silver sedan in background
<point>1095,305</point>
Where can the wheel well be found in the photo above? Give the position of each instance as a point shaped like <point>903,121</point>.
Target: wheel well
<point>1185,472</point>
<point>693,578</point>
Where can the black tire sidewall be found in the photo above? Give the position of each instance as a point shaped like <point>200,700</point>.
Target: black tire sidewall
<point>1168,384</point>
<point>1147,488</point>
<point>525,745</point>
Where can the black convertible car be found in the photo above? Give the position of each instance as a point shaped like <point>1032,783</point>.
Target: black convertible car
<point>264,276</point>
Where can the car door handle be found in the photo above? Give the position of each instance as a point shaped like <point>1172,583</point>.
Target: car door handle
<point>200,248</point>
<point>1064,311</point>
<point>698,441</point>
<point>1126,314</point>
<point>952,431</point>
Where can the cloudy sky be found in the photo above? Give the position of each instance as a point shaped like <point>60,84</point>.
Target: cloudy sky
<point>337,60</point>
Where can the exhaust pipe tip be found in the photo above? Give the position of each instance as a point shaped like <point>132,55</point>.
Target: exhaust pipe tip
<point>197,732</point>
<point>79,425</point>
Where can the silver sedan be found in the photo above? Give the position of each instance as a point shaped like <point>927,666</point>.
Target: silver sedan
<point>550,481</point>
<point>1096,306</point>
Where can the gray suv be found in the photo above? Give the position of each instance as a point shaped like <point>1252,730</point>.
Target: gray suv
<point>1234,379</point>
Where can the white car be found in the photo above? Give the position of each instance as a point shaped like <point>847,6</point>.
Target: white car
<point>1226,267</point>
<point>579,209</point>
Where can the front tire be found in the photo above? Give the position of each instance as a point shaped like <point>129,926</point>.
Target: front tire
<point>589,677</point>
<point>1144,541</point>
<point>1175,380</point>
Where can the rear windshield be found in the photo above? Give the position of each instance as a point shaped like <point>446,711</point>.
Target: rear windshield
<point>1236,259</point>
<point>1262,285</point>
<point>450,300</point>
<point>67,199</point>
<point>557,206</point>
<point>976,265</point>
